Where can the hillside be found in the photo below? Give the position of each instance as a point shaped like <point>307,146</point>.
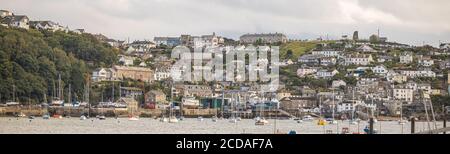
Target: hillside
<point>31,60</point>
<point>298,48</point>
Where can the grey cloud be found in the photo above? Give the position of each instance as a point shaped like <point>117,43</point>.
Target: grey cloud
<point>410,21</point>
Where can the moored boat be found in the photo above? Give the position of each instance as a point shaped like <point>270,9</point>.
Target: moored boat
<point>262,122</point>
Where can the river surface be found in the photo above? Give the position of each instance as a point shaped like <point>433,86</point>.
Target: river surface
<point>9,125</point>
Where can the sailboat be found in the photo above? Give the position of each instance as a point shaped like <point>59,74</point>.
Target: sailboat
<point>57,100</point>
<point>401,121</point>
<point>163,117</point>
<point>172,117</point>
<point>333,121</point>
<point>262,121</point>
<point>321,121</point>
<point>86,100</point>
<point>353,121</point>
<point>233,112</point>
<point>101,116</point>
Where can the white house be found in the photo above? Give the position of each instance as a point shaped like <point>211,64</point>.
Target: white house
<point>48,25</point>
<point>358,59</point>
<point>302,72</point>
<point>380,69</point>
<point>326,73</point>
<point>161,74</point>
<point>426,61</point>
<point>365,48</point>
<point>406,58</point>
<point>327,53</point>
<point>127,60</point>
<point>102,74</point>
<point>326,61</point>
<point>338,83</point>
<point>18,21</point>
<point>418,73</point>
<point>347,106</point>
<point>403,93</point>
<point>425,87</point>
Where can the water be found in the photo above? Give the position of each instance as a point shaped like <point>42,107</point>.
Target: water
<point>10,125</point>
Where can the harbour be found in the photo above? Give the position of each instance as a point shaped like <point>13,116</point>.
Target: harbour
<point>38,125</point>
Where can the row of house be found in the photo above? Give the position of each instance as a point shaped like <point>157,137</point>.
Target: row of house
<point>9,19</point>
<point>122,72</point>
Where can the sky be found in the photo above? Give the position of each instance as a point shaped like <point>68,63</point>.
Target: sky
<point>414,22</point>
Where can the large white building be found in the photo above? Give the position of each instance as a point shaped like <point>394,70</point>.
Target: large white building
<point>302,72</point>
<point>406,58</point>
<point>327,53</point>
<point>418,73</point>
<point>358,59</point>
<point>403,93</point>
<point>380,69</point>
<point>426,61</point>
<point>48,25</point>
<point>102,74</point>
<point>161,74</point>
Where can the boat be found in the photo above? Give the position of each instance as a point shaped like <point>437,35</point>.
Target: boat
<point>232,120</point>
<point>257,118</point>
<point>401,121</point>
<point>57,116</point>
<point>21,115</point>
<point>102,117</point>
<point>262,122</point>
<point>333,121</point>
<point>133,118</point>
<point>163,119</point>
<point>321,122</point>
<point>308,118</point>
<point>214,119</point>
<point>173,119</point>
<point>83,117</point>
<point>200,118</point>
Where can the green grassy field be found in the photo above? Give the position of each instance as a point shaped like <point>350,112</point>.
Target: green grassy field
<point>298,48</point>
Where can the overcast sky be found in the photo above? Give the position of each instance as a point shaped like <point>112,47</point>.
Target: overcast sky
<point>405,21</point>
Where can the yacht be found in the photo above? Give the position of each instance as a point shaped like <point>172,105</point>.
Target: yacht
<point>102,117</point>
<point>200,118</point>
<point>261,122</point>
<point>83,117</point>
<point>163,119</point>
<point>308,118</point>
<point>46,116</point>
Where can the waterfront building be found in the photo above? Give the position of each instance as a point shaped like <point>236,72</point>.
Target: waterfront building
<point>135,73</point>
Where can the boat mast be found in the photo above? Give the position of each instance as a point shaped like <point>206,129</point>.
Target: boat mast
<point>333,105</point>
<point>59,87</point>
<point>112,95</point>
<point>14,93</point>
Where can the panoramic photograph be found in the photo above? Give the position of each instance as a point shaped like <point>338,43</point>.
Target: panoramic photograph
<point>224,67</point>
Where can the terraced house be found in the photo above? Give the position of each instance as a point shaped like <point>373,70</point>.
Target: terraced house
<point>358,59</point>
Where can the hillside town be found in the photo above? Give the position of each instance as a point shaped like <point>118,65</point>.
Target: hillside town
<point>347,78</point>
